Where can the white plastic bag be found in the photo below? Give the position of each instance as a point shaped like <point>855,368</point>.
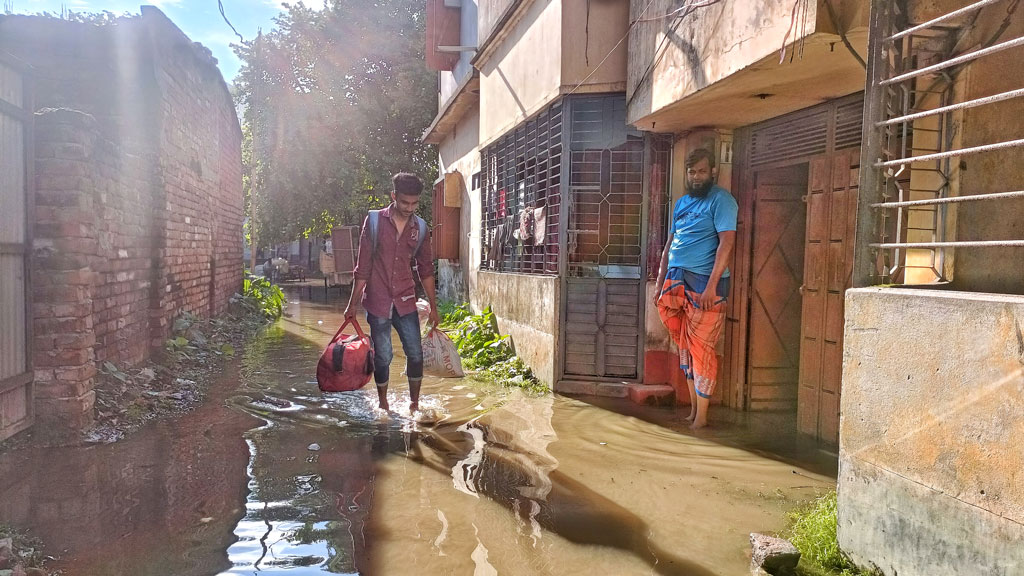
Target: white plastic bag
<point>440,357</point>
<point>423,309</point>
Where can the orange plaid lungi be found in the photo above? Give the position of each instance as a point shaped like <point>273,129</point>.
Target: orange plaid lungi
<point>695,331</point>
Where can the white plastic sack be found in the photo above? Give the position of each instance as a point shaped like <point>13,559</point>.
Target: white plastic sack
<point>440,357</point>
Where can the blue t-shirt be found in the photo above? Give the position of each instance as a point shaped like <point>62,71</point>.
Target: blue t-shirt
<point>696,223</point>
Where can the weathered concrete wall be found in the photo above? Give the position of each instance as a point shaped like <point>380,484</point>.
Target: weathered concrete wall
<point>459,151</point>
<point>591,52</point>
<point>992,269</point>
<point>451,283</point>
<point>527,309</point>
<point>722,56</point>
<point>930,464</point>
<point>138,202</point>
<point>524,73</point>
<point>490,13</point>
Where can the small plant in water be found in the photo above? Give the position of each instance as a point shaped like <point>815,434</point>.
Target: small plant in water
<point>813,532</point>
<point>482,347</point>
<point>258,294</point>
<point>515,372</point>
<point>479,342</point>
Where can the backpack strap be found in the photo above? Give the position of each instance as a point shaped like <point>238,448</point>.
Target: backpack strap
<point>422,224</point>
<point>373,219</point>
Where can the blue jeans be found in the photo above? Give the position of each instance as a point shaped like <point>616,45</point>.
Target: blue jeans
<point>408,328</point>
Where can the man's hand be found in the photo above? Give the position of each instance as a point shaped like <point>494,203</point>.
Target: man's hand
<point>709,297</point>
<point>433,318</point>
<point>350,312</point>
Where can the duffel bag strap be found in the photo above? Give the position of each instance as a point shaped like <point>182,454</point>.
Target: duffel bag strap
<point>338,357</point>
<point>354,323</point>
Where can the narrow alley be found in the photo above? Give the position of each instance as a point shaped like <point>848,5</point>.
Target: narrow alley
<point>491,481</point>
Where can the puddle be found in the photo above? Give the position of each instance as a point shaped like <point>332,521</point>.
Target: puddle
<point>485,480</point>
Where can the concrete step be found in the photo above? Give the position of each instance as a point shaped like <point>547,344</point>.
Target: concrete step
<point>652,394</point>
<point>582,388</point>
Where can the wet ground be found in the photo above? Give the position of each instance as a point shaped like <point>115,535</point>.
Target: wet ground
<point>486,481</point>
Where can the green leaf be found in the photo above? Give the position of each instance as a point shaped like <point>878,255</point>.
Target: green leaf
<point>228,350</point>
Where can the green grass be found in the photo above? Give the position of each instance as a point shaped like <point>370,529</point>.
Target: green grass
<point>813,532</point>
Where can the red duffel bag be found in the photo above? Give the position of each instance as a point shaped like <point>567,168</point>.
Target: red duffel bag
<point>347,362</point>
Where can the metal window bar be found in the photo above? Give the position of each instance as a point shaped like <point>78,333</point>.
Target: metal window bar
<point>522,171</point>
<point>929,24</point>
<point>952,200</point>
<point>910,141</point>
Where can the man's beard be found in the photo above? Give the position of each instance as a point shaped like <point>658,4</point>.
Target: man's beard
<point>699,191</point>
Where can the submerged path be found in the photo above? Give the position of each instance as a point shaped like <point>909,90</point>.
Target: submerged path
<point>490,481</point>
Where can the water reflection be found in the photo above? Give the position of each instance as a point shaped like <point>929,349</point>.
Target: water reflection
<point>162,502</point>
<point>488,481</point>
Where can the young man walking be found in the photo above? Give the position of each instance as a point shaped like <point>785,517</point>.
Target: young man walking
<point>694,278</point>
<point>393,240</point>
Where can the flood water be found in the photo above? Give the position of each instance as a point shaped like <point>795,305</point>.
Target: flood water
<point>490,481</point>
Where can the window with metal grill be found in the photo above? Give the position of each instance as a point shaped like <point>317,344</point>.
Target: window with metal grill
<point>521,196</point>
<point>606,188</point>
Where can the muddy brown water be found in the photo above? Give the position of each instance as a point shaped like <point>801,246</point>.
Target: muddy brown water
<point>488,481</point>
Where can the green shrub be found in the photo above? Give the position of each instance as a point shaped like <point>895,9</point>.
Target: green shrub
<point>451,313</point>
<point>259,295</point>
<point>482,347</point>
<point>813,532</point>
<point>479,343</point>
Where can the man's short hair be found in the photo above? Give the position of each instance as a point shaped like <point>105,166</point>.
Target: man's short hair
<point>407,184</point>
<point>700,154</point>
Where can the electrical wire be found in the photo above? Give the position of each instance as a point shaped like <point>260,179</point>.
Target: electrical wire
<point>220,6</point>
<point>689,7</point>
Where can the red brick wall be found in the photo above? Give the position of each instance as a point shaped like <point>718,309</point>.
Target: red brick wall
<point>200,248</point>
<point>199,245</point>
<point>139,196</point>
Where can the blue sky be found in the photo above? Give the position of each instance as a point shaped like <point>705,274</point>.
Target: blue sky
<point>199,19</point>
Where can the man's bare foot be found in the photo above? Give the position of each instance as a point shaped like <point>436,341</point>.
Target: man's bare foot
<point>413,407</point>
<point>384,406</point>
<point>693,414</point>
<point>698,424</point>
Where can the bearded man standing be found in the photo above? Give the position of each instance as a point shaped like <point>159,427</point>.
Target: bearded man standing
<point>694,278</point>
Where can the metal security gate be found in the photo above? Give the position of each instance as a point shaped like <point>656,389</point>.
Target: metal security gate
<point>16,376</point>
<point>605,240</point>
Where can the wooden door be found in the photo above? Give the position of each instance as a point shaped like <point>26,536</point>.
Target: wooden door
<point>602,328</point>
<point>16,375</point>
<point>831,215</point>
<point>776,275</point>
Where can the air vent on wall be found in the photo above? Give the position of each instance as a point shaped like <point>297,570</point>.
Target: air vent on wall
<point>792,136</point>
